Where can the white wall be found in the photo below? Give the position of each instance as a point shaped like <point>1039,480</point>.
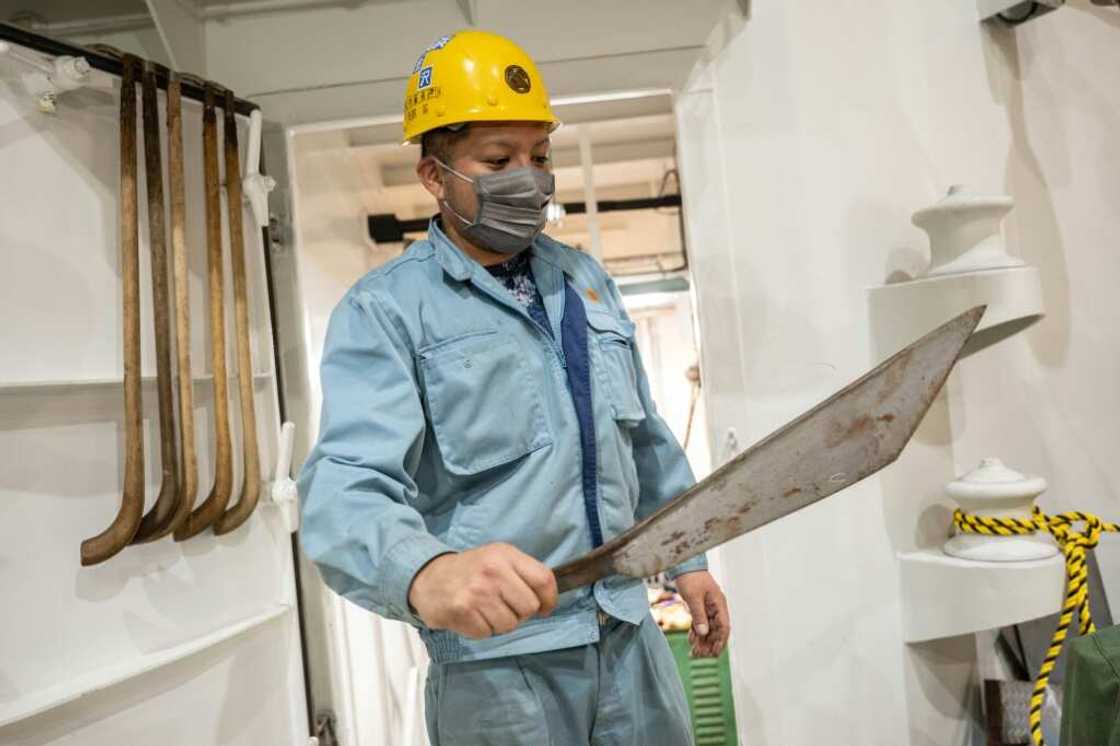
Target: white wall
<point>193,642</point>
<point>806,143</point>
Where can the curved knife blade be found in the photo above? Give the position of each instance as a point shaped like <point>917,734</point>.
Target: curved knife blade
<point>849,436</point>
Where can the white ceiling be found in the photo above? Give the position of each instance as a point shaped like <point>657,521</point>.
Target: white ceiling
<point>309,61</point>
<point>65,11</point>
<point>645,140</point>
<point>631,157</point>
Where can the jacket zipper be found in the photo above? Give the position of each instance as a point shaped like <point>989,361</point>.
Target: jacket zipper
<point>510,303</point>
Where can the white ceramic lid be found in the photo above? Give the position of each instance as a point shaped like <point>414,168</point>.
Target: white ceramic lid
<point>960,199</point>
<point>992,479</point>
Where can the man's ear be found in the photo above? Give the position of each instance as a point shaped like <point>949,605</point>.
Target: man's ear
<point>431,176</point>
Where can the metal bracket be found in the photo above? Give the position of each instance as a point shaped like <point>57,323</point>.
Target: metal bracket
<point>256,186</point>
<point>325,728</point>
<point>48,76</point>
<point>731,446</point>
<point>1015,12</point>
<point>279,232</point>
<point>282,490</point>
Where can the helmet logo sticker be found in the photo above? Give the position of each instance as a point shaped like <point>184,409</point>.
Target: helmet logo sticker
<point>440,43</point>
<point>518,79</point>
<point>425,78</point>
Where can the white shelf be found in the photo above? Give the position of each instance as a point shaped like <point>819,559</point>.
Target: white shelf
<point>943,596</point>
<point>903,311</point>
<point>38,702</point>
<point>79,383</point>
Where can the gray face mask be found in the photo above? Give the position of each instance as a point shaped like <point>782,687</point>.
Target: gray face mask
<point>510,207</point>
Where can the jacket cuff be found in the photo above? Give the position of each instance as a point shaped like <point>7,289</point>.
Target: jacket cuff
<point>699,562</point>
<point>402,562</point>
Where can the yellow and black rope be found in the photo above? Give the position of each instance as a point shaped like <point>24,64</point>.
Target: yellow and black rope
<point>1074,544</point>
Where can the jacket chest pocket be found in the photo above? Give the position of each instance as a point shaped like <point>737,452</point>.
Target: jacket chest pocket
<point>484,410</point>
<point>614,338</point>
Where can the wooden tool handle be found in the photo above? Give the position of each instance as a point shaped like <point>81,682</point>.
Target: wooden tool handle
<point>120,532</point>
<point>206,513</point>
<point>251,474</point>
<point>160,520</point>
<point>584,571</point>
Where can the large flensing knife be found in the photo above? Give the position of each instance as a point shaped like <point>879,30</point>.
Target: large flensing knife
<point>849,436</point>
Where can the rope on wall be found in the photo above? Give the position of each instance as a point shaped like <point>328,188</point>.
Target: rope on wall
<point>1074,545</point>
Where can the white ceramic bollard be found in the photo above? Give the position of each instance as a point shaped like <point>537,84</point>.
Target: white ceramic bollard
<point>994,490</point>
<point>964,233</point>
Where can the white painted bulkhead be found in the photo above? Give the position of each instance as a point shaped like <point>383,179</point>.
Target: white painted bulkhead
<point>807,139</point>
<point>172,643</point>
<point>806,136</point>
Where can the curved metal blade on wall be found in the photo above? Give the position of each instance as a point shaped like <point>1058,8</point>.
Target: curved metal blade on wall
<point>251,473</point>
<point>162,517</point>
<point>214,505</point>
<point>188,465</point>
<point>120,532</point>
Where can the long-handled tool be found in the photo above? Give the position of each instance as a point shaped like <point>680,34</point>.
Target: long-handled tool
<point>160,520</point>
<point>206,513</point>
<point>851,435</point>
<point>188,466</point>
<point>251,474</point>
<point>120,532</point>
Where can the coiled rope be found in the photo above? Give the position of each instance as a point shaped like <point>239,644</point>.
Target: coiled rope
<point>1074,544</point>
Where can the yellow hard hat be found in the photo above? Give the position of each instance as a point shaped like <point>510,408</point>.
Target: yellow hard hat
<point>473,76</point>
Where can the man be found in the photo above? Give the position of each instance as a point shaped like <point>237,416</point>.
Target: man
<point>486,417</point>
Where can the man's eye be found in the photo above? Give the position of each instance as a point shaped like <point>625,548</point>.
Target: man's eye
<point>497,162</point>
<point>542,160</point>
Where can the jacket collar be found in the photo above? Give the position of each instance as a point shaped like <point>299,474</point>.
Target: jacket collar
<point>453,261</point>
<point>461,267</point>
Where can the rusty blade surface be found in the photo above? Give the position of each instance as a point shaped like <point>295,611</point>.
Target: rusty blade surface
<point>846,438</point>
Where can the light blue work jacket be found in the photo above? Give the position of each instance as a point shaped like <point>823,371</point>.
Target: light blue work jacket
<point>448,423</point>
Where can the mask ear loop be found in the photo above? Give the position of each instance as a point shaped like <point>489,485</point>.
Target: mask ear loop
<point>447,204</point>
<point>464,177</point>
<point>455,212</point>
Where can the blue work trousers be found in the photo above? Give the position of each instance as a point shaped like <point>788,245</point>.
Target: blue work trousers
<point>623,690</point>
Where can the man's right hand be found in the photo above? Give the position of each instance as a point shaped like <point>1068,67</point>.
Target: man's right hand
<point>482,592</point>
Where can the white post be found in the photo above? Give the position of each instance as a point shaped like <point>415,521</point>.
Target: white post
<point>596,249</point>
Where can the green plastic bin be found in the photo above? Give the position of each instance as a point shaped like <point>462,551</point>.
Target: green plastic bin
<point>707,686</point>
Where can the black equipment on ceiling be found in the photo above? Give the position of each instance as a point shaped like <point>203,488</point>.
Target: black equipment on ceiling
<point>388,228</point>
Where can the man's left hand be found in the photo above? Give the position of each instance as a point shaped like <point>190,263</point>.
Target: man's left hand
<point>711,623</point>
